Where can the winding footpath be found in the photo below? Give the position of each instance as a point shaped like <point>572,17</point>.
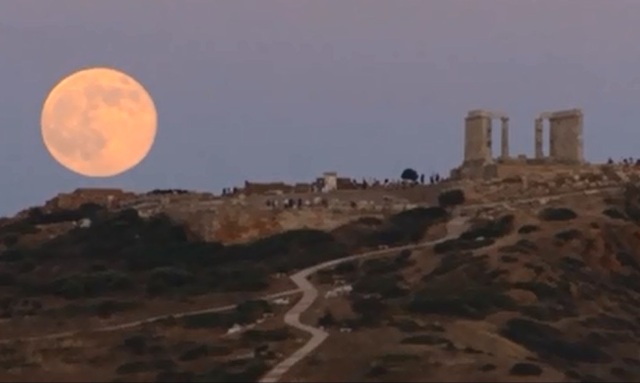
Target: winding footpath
<point>310,293</point>
<point>142,322</point>
<point>455,227</point>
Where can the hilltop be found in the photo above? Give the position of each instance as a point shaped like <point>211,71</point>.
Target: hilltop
<point>539,284</point>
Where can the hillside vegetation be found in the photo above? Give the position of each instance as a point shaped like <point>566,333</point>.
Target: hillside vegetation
<point>123,255</point>
<point>550,294</point>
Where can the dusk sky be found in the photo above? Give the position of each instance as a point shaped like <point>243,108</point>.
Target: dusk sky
<point>286,89</point>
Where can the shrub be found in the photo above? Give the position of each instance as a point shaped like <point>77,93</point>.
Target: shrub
<point>346,267</point>
<point>540,289</point>
<point>508,259</point>
<point>461,245</point>
<point>250,311</point>
<point>557,214</point>
<point>548,341</point>
<point>13,255</point>
<point>614,213</point>
<point>369,221</point>
<point>568,235</point>
<point>451,198</point>
<point>194,353</point>
<point>572,264</point>
<point>165,279</point>
<point>275,335</point>
<point>450,262</point>
<point>525,369</point>
<point>243,370</point>
<point>409,225</point>
<point>175,377</point>
<point>490,228</point>
<point>426,339</point>
<point>242,276</point>
<point>472,302</point>
<point>379,266</point>
<point>377,370</point>
<point>406,325</point>
<point>136,343</point>
<point>327,320</point>
<point>91,284</point>
<point>387,286</point>
<point>370,310</point>
<point>207,320</point>
<point>7,279</point>
<point>527,229</point>
<point>398,358</point>
<point>294,249</point>
<point>10,240</point>
<point>134,368</point>
<point>403,257</point>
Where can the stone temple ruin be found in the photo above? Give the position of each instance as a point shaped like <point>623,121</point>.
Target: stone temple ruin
<point>565,143</point>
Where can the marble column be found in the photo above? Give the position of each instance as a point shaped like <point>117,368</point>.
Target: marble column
<point>538,139</point>
<point>504,138</point>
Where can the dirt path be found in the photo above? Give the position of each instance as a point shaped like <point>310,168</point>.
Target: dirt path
<point>292,318</point>
<point>310,293</point>
<point>141,322</point>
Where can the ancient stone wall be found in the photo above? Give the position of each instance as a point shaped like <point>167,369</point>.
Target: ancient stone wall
<point>548,182</point>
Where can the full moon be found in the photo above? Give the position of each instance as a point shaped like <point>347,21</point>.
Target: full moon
<point>98,122</point>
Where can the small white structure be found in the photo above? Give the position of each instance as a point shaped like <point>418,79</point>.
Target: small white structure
<point>83,223</point>
<point>330,181</point>
<point>281,301</point>
<point>338,291</point>
<point>236,328</point>
<point>346,329</point>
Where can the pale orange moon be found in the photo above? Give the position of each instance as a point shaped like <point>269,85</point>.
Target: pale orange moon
<point>98,122</point>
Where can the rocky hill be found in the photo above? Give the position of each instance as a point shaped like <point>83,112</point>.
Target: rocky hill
<point>541,287</point>
<point>536,294</point>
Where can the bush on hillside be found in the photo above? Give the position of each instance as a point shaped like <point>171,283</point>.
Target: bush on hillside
<point>490,228</point>
<point>273,335</point>
<point>251,310</point>
<point>243,370</point>
<point>165,279</point>
<point>548,341</point>
<point>386,286</point>
<point>451,198</point>
<point>294,249</point>
<point>19,228</point>
<point>557,214</point>
<point>409,226</point>
<point>91,284</point>
<point>527,229</point>
<point>461,245</point>
<point>369,221</point>
<point>327,320</point>
<point>569,234</point>
<point>525,369</point>
<point>614,213</point>
<point>370,310</point>
<point>473,302</point>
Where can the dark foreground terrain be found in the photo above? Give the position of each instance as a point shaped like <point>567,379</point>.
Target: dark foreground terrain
<point>535,294</point>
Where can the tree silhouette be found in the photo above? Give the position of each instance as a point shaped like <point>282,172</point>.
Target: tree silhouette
<point>409,174</point>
